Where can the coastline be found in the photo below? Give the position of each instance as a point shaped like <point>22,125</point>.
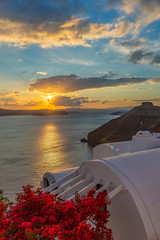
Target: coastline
<point>41,112</point>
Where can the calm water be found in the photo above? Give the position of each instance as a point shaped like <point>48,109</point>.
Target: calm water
<point>33,145</point>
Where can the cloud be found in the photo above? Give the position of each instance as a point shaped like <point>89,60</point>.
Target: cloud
<point>143,12</point>
<point>33,11</point>
<point>72,83</point>
<point>42,73</point>
<point>122,100</point>
<point>105,101</point>
<point>143,56</point>
<point>148,100</point>
<point>9,94</point>
<point>112,74</point>
<point>54,23</point>
<point>113,4</point>
<point>132,44</point>
<point>155,80</point>
<point>143,89</point>
<point>18,99</point>
<point>58,23</point>
<point>9,98</point>
<point>70,101</point>
<point>156,59</point>
<point>79,61</point>
<point>150,10</point>
<point>125,46</point>
<point>33,103</point>
<point>72,32</point>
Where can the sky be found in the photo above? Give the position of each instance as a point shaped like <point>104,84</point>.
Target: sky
<point>60,54</point>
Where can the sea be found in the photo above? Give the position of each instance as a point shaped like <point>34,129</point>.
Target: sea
<point>33,145</point>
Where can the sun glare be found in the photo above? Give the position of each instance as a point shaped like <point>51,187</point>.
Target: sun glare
<point>49,97</point>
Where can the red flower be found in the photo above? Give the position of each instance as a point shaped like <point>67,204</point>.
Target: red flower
<point>37,215</point>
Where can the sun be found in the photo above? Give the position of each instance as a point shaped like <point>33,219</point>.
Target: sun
<point>49,97</point>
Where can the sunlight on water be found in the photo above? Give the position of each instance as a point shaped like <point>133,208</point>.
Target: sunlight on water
<point>50,144</point>
<point>31,146</point>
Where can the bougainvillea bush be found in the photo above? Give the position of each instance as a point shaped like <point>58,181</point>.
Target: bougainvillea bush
<point>38,215</point>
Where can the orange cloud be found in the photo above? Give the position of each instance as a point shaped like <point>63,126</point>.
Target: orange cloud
<point>42,73</point>
<point>155,80</point>
<point>72,32</point>
<point>21,100</point>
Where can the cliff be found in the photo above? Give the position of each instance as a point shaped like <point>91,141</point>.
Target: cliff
<point>144,117</point>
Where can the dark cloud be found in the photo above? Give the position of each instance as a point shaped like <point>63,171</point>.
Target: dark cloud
<point>140,55</point>
<point>38,11</point>
<point>70,101</point>
<point>131,44</point>
<point>112,74</point>
<point>148,4</point>
<point>156,59</point>
<point>113,3</point>
<point>72,83</point>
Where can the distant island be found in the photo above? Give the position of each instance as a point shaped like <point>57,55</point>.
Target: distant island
<point>41,112</point>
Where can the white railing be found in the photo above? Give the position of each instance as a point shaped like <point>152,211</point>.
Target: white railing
<point>58,183</point>
<point>76,182</point>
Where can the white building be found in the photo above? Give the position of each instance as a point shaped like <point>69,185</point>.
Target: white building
<point>130,173</point>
